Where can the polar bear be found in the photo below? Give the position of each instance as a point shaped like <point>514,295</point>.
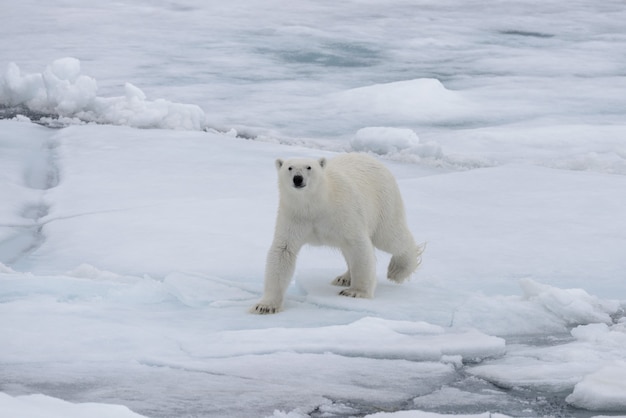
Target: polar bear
<point>351,202</point>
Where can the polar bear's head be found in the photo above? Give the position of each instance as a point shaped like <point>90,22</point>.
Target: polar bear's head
<point>300,174</point>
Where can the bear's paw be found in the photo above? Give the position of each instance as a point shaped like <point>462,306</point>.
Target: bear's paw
<point>355,293</point>
<point>343,280</point>
<point>264,309</point>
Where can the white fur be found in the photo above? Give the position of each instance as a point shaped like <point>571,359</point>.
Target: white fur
<point>351,202</point>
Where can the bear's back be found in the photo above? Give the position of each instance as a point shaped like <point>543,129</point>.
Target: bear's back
<point>360,170</point>
<point>358,180</point>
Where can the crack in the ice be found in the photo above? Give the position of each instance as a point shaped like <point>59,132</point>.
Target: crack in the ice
<point>253,290</point>
<point>157,365</point>
<point>42,173</point>
<point>88,213</point>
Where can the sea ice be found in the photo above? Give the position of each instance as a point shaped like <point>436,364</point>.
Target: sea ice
<point>603,390</point>
<point>132,261</point>
<point>574,306</point>
<point>61,90</point>
<point>129,257</point>
<point>381,140</point>
<point>40,406</point>
<point>425,100</point>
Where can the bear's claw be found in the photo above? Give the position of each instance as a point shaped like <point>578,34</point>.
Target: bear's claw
<point>343,280</point>
<point>262,309</point>
<point>353,293</point>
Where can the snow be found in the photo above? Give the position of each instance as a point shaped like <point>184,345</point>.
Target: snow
<point>111,300</point>
<point>423,100</point>
<point>394,142</point>
<point>383,140</point>
<point>573,305</point>
<point>40,406</point>
<point>134,224</point>
<point>62,90</point>
<point>560,366</point>
<point>603,390</point>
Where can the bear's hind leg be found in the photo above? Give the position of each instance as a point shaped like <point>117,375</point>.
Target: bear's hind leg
<point>362,267</point>
<point>343,280</point>
<point>403,265</point>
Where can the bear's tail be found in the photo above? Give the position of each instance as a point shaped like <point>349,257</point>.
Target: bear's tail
<point>403,265</point>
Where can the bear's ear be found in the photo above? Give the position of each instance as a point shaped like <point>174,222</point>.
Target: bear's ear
<point>322,162</point>
<point>279,163</point>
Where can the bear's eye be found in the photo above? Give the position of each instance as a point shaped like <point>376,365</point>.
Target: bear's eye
<point>290,168</point>
<point>308,168</point>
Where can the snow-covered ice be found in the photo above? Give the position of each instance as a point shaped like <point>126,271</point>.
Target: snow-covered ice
<point>40,406</point>
<point>166,295</point>
<point>63,91</point>
<point>129,257</point>
<point>602,390</point>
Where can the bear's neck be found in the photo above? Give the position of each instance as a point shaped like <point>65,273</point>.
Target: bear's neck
<point>303,204</point>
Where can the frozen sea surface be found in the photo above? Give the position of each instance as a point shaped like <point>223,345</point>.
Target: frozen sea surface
<point>471,77</point>
<point>129,257</point>
<point>132,256</point>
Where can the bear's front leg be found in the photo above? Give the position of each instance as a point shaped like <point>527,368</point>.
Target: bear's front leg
<point>362,267</point>
<point>279,268</point>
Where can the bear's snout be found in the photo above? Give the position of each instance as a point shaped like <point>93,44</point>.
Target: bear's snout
<point>298,181</point>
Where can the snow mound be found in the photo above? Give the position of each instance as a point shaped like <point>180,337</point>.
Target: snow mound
<point>610,337</point>
<point>87,271</point>
<point>387,140</point>
<point>61,90</point>
<point>382,140</point>
<point>424,100</point>
<point>575,306</point>
<point>415,341</point>
<point>604,390</point>
<point>41,406</point>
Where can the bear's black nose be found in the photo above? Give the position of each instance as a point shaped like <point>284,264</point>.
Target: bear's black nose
<point>298,181</point>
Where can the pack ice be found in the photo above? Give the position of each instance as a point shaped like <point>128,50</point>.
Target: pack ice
<point>135,267</point>
<point>138,199</point>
